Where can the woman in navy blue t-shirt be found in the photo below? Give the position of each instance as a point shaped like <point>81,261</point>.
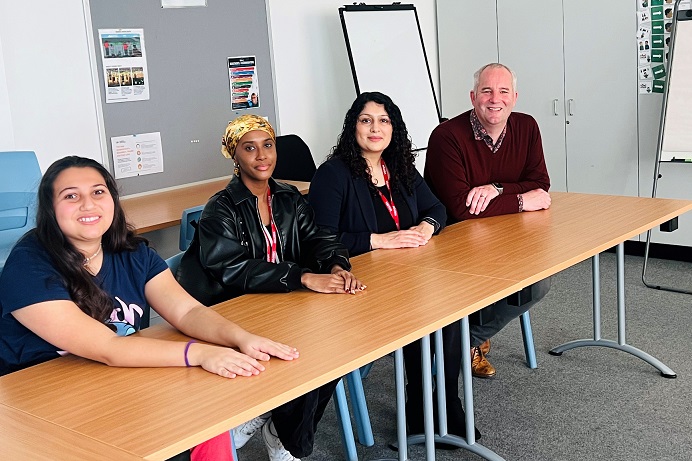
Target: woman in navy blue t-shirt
<point>82,281</point>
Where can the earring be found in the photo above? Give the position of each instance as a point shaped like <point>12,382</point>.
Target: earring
<point>236,170</point>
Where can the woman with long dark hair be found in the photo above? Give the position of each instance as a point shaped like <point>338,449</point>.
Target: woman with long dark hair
<point>370,194</point>
<point>82,281</point>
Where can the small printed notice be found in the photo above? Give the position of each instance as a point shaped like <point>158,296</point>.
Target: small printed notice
<point>242,76</point>
<point>124,65</point>
<point>137,154</point>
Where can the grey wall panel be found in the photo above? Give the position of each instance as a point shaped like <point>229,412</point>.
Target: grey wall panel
<point>186,51</point>
<point>466,40</point>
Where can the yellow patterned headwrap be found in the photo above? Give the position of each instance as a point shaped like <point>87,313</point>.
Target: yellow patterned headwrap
<point>238,128</point>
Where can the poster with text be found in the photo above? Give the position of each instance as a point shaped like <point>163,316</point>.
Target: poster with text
<point>137,154</point>
<point>124,65</point>
<point>243,80</point>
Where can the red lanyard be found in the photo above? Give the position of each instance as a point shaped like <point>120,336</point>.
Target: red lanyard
<point>390,205</point>
<point>270,239</point>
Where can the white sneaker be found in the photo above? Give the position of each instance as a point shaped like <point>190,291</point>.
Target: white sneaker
<point>275,448</point>
<point>241,434</point>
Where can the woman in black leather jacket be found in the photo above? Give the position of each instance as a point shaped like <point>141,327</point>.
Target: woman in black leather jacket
<point>258,235</point>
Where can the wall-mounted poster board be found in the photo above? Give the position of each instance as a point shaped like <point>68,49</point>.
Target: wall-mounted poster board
<point>189,95</point>
<point>385,48</point>
<point>676,127</point>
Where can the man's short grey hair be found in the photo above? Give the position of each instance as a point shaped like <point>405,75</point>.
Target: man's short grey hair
<point>493,65</point>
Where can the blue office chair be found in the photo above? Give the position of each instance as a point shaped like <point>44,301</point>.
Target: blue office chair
<point>174,261</point>
<point>527,333</point>
<point>19,178</point>
<point>187,229</point>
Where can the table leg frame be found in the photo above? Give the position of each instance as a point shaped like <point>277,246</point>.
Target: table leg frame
<point>621,343</point>
<point>429,438</point>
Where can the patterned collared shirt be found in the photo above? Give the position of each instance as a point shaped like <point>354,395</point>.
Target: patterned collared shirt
<point>481,135</point>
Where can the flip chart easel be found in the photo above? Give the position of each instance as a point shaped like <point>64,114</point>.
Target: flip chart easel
<point>386,52</point>
<point>675,130</point>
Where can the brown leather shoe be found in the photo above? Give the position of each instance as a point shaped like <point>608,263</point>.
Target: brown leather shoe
<point>480,367</point>
<point>485,347</point>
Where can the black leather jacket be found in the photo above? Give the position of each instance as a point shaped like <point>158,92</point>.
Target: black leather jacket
<point>228,254</point>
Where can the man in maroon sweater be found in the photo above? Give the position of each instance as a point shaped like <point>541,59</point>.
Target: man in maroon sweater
<point>487,162</point>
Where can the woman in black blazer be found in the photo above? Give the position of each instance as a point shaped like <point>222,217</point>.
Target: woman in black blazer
<point>370,194</point>
<point>352,191</point>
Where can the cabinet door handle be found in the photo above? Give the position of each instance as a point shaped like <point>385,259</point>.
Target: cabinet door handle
<point>555,101</point>
<point>570,104</point>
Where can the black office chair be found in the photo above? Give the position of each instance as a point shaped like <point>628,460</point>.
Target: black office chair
<point>294,161</point>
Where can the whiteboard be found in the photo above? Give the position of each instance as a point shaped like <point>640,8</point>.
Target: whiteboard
<point>385,47</point>
<point>677,110</point>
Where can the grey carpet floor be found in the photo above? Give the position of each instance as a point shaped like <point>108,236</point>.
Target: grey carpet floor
<point>589,404</point>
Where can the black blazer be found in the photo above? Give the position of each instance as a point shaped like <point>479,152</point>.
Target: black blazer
<point>343,205</point>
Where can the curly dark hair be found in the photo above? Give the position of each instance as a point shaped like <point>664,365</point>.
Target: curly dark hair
<point>69,262</point>
<point>399,156</point>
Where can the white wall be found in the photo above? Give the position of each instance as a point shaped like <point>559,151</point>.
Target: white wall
<point>314,85</point>
<point>6,130</point>
<point>47,100</point>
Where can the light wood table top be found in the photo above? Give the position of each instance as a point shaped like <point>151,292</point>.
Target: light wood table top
<point>160,210</point>
<point>534,245</point>
<point>410,293</point>
<point>27,437</point>
<point>181,407</point>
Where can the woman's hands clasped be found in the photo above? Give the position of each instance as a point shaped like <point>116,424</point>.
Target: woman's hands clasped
<point>338,281</point>
<point>409,238</point>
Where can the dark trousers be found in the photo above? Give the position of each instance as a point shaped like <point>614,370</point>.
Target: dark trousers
<point>496,316</point>
<point>451,342</point>
<point>296,421</point>
<point>494,319</point>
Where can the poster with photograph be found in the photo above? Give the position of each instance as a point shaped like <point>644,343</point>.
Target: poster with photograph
<point>244,82</point>
<point>124,65</point>
<point>137,154</point>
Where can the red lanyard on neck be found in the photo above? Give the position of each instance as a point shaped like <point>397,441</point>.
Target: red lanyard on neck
<point>389,205</point>
<point>270,239</point>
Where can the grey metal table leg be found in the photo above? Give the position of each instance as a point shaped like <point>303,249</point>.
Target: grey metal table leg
<point>621,343</point>
<point>400,407</point>
<point>470,442</point>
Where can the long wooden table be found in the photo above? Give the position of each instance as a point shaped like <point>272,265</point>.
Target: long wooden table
<point>159,210</point>
<point>156,413</point>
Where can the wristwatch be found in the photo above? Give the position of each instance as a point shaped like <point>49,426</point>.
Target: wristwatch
<point>499,187</point>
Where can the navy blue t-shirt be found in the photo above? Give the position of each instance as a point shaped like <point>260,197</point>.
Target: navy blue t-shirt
<point>29,278</point>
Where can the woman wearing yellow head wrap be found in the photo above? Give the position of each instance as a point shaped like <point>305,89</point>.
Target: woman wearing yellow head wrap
<point>259,236</point>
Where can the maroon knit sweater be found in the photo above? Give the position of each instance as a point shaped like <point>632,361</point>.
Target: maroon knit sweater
<point>455,163</point>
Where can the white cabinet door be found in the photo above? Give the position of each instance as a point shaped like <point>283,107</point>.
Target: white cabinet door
<point>601,88</point>
<point>571,57</point>
<point>529,34</point>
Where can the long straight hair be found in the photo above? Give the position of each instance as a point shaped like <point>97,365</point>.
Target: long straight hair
<point>69,262</point>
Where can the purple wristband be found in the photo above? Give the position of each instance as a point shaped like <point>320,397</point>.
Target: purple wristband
<point>187,348</point>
